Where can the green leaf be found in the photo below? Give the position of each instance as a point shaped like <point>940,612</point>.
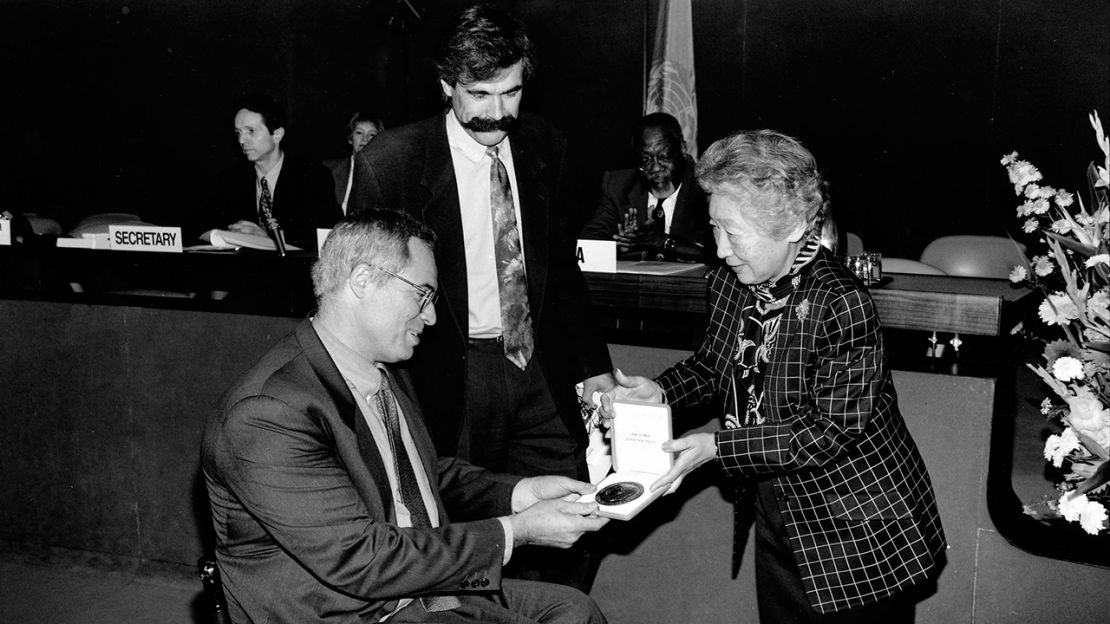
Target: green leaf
<point>1073,244</point>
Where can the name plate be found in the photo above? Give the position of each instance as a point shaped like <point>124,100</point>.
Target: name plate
<point>597,256</point>
<point>321,236</point>
<point>5,231</point>
<point>144,238</point>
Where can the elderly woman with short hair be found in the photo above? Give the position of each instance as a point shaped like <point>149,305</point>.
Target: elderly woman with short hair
<point>846,520</point>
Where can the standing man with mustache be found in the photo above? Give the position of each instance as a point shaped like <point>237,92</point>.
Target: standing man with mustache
<point>496,376</point>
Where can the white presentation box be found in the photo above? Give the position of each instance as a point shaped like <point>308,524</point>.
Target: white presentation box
<point>638,432</point>
<point>597,256</point>
<point>144,238</point>
<point>5,231</point>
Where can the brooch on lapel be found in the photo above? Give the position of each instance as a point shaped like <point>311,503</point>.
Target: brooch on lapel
<point>802,309</point>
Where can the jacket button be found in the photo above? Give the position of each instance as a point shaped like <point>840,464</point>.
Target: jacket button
<point>485,582</point>
<point>475,583</point>
<point>464,584</point>
<point>782,497</point>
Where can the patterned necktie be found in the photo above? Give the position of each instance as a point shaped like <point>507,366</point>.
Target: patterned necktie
<point>266,216</point>
<point>659,218</point>
<point>512,283</point>
<point>386,405</point>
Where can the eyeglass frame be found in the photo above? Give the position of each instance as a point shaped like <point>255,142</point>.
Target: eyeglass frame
<point>663,160</point>
<point>428,296</point>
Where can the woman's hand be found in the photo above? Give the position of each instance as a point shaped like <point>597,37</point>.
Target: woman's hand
<point>693,450</point>
<point>635,387</point>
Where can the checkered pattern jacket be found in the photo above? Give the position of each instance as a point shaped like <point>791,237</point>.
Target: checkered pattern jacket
<point>852,488</point>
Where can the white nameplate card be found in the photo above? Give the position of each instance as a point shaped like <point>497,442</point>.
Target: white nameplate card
<point>638,432</point>
<point>144,238</point>
<point>321,236</point>
<point>597,256</point>
<point>5,231</point>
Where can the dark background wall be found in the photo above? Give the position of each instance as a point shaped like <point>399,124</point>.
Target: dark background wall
<point>111,105</point>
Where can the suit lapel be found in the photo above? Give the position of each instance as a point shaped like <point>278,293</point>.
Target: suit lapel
<point>442,213</point>
<point>378,495</point>
<point>536,216</point>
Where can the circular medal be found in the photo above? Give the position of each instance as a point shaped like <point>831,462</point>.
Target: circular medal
<point>618,493</point>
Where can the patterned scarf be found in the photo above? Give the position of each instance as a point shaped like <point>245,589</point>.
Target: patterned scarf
<point>760,318</point>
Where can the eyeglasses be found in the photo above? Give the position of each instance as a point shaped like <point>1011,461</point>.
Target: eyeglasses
<point>428,296</point>
<point>663,160</point>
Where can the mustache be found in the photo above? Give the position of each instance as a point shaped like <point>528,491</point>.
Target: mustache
<point>485,124</point>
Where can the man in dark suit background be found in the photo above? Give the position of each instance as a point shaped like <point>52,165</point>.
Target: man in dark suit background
<point>328,500</point>
<point>655,211</point>
<point>361,129</point>
<point>497,376</point>
<point>300,191</point>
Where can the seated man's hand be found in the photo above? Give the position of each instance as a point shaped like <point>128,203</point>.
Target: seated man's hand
<point>632,387</point>
<point>247,227</point>
<point>693,450</point>
<point>642,240</point>
<point>531,490</point>
<point>598,383</point>
<point>558,523</point>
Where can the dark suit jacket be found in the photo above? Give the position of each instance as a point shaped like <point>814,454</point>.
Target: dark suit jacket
<point>625,189</point>
<point>302,507</point>
<point>340,169</point>
<point>852,487</point>
<point>303,200</point>
<point>410,169</point>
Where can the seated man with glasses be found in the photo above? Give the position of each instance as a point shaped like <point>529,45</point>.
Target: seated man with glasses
<point>655,211</point>
<point>328,499</point>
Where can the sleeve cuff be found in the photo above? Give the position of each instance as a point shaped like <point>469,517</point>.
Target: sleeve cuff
<point>508,527</point>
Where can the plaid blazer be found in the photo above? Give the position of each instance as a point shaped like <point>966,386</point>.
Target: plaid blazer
<point>853,490</point>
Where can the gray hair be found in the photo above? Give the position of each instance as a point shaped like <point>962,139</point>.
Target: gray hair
<point>774,170</point>
<point>373,237</point>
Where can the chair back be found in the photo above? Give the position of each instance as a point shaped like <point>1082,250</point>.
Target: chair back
<point>853,244</point>
<point>975,256</point>
<point>905,265</point>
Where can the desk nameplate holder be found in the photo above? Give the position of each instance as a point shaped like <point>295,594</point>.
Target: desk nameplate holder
<point>144,238</point>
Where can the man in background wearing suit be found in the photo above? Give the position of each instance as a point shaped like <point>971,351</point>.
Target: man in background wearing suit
<point>655,211</point>
<point>497,377</point>
<point>361,129</point>
<point>328,499</point>
<point>297,193</point>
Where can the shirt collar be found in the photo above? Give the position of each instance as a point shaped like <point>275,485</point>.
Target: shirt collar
<point>361,374</point>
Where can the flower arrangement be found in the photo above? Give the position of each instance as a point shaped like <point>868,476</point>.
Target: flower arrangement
<point>1073,276</point>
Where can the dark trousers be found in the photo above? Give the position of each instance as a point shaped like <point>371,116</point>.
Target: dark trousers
<point>780,592</point>
<point>511,425</point>
<point>518,602</point>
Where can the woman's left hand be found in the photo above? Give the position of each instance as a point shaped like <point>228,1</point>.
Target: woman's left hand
<point>693,450</point>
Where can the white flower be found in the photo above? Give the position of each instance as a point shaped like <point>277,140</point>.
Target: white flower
<point>1061,226</point>
<point>1064,198</point>
<point>1009,158</point>
<point>1058,309</point>
<point>1023,173</point>
<point>1042,265</point>
<point>1067,369</point>
<point>1098,306</point>
<point>1096,260</point>
<point>1057,447</point>
<point>1089,416</point>
<point>1046,406</point>
<point>1018,274</point>
<point>1089,514</point>
<point>1030,226</point>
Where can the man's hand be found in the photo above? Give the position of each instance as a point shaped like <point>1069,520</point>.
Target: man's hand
<point>531,490</point>
<point>693,450</point>
<point>635,388</point>
<point>598,383</point>
<point>558,523</point>
<point>247,227</point>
